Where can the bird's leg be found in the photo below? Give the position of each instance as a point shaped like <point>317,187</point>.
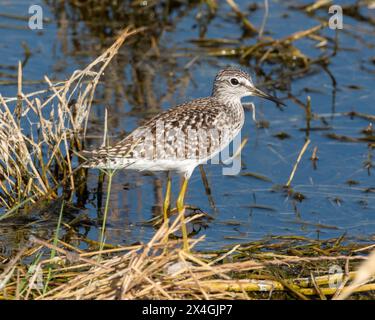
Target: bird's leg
<point>181,212</point>
<point>167,199</point>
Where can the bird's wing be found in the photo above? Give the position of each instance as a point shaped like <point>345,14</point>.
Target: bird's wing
<point>179,129</point>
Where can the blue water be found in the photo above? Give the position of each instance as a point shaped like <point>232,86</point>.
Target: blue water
<point>331,208</point>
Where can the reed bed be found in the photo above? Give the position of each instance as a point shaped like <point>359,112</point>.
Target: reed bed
<point>42,132</point>
<point>275,268</point>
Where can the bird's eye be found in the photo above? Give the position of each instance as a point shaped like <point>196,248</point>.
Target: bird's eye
<point>234,81</point>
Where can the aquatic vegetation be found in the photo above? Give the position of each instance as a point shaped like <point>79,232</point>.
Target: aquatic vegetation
<point>41,138</point>
<point>273,268</point>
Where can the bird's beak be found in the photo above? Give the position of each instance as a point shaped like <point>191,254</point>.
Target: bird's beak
<point>261,94</point>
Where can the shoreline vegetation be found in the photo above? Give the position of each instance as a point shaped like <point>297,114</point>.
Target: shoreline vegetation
<point>275,268</point>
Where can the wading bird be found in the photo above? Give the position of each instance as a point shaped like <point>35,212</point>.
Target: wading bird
<point>183,137</point>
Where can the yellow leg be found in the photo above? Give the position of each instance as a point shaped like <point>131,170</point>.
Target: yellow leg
<point>167,199</point>
<point>181,212</point>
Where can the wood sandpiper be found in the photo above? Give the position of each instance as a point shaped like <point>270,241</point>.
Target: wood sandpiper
<point>184,137</point>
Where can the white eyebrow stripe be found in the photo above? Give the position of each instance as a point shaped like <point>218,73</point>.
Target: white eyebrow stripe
<point>247,83</point>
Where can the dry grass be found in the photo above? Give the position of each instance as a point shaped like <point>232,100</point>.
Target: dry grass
<point>39,139</point>
<point>161,270</point>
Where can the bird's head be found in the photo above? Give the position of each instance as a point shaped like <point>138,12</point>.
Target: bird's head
<point>234,84</point>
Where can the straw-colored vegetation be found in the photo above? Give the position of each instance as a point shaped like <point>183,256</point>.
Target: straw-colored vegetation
<point>301,268</point>
<point>41,138</point>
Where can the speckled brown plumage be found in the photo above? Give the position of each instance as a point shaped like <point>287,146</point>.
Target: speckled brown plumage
<point>188,133</point>
<point>200,114</point>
